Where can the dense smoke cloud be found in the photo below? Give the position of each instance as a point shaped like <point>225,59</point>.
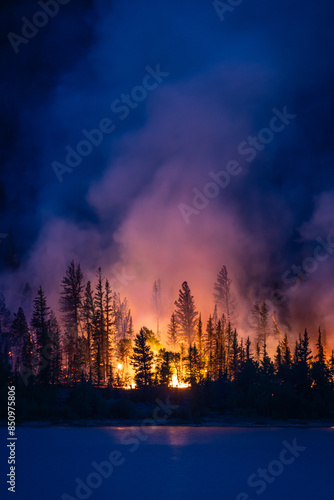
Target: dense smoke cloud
<point>120,207</point>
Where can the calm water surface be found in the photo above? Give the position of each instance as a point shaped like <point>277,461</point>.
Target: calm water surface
<point>171,463</point>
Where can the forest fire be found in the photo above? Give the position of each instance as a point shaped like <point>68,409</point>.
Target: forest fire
<point>180,385</point>
<point>96,340</point>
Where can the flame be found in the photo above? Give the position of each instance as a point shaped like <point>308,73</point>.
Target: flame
<point>176,383</point>
<point>119,366</point>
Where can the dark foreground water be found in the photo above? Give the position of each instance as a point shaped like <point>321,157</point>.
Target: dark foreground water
<point>171,463</point>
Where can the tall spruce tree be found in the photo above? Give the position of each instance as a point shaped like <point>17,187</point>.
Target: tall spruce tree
<point>261,325</point>
<point>209,347</point>
<point>172,333</point>
<point>41,323</point>
<point>156,299</point>
<point>71,298</point>
<point>223,295</point>
<point>234,355</point>
<point>320,372</point>
<point>186,314</point>
<point>88,312</point>
<point>71,302</point>
<point>200,343</point>
<point>110,333</point>
<point>99,338</point>
<point>142,360</point>
<point>22,339</point>
<point>56,358</point>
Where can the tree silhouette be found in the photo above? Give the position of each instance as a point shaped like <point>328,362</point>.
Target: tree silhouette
<point>142,360</point>
<point>172,332</point>
<point>41,323</point>
<point>186,314</point>
<point>223,295</point>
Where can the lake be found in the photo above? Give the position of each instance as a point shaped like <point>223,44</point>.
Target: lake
<point>171,463</point>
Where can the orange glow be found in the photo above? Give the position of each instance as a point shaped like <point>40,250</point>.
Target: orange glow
<point>176,383</point>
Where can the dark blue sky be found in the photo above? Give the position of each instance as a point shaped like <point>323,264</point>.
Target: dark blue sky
<point>225,78</point>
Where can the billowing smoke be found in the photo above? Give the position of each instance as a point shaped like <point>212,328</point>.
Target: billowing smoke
<point>176,187</point>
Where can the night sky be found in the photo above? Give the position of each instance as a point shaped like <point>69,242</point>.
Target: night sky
<point>211,85</point>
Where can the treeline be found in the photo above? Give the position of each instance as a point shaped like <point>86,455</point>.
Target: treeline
<point>94,341</point>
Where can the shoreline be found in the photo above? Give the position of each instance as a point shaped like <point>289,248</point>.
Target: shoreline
<point>205,422</point>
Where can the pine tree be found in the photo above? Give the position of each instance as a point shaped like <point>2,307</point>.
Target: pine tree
<point>219,351</point>
<point>109,334</point>
<point>142,360</point>
<point>260,314</point>
<point>320,372</point>
<point>331,368</point>
<point>56,358</point>
<point>228,347</point>
<point>305,351</point>
<point>242,352</point>
<point>283,360</point>
<point>130,330</point>
<point>21,335</point>
<point>320,357</point>
<point>200,345</point>
<point>302,359</point>
<point>186,314</point>
<point>286,352</point>
<point>248,349</point>
<point>70,301</point>
<point>164,370</point>
<point>88,312</point>
<point>234,356</point>
<point>223,295</point>
<point>124,350</point>
<point>278,357</point>
<point>172,333</point>
<point>193,366</point>
<point>215,316</point>
<point>156,298</point>
<point>41,323</point>
<point>99,337</point>
<point>267,367</point>
<point>209,342</point>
